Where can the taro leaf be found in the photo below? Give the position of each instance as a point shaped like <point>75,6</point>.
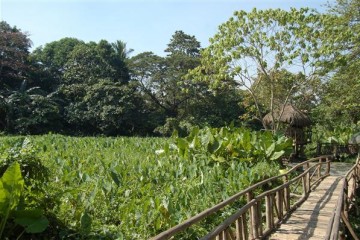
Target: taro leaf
<point>85,222</point>
<point>115,177</point>
<point>4,199</point>
<point>182,145</point>
<point>246,141</point>
<point>207,138</point>
<point>33,224</point>
<point>277,155</point>
<point>164,212</point>
<point>218,158</point>
<point>332,139</point>
<point>214,146</point>
<point>270,150</point>
<point>11,187</point>
<point>29,213</point>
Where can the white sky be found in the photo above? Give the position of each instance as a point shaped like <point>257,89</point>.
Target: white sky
<point>143,25</point>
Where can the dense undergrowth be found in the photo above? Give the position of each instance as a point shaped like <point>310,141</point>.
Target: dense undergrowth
<point>133,188</point>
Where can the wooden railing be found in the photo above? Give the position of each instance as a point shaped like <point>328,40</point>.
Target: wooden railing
<point>337,149</point>
<point>262,213</point>
<point>345,202</point>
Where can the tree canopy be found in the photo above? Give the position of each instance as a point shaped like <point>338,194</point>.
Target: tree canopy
<point>256,48</point>
<point>257,63</point>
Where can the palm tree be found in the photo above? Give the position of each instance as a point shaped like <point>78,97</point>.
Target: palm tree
<point>121,50</point>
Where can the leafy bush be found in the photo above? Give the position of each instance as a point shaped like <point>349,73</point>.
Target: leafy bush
<point>14,212</point>
<point>119,188</point>
<point>25,153</point>
<point>338,135</point>
<point>229,143</point>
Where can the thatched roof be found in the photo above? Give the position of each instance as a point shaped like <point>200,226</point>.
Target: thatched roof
<point>291,115</point>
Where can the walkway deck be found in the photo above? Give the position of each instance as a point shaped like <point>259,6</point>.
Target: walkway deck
<point>311,219</point>
<point>311,203</point>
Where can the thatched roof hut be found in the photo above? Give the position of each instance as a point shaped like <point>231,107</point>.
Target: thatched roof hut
<point>291,115</point>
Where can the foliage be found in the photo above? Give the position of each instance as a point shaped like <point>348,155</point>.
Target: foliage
<point>231,144</point>
<point>340,98</point>
<point>256,63</point>
<point>50,60</point>
<point>160,78</point>
<point>141,192</point>
<point>31,111</point>
<point>14,51</point>
<point>12,209</point>
<point>340,134</point>
<point>24,153</point>
<point>104,107</point>
<point>252,47</point>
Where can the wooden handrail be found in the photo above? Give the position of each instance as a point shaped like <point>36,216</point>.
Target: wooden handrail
<point>334,223</point>
<point>281,203</point>
<point>269,199</point>
<point>344,202</point>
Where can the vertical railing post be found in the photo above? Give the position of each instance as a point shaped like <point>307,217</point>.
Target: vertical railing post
<point>304,185</point>
<point>269,212</point>
<point>286,194</point>
<point>255,220</point>
<point>328,162</point>
<point>279,203</point>
<point>249,197</point>
<point>244,227</point>
<point>319,168</point>
<point>307,177</point>
<point>259,219</point>
<point>346,196</point>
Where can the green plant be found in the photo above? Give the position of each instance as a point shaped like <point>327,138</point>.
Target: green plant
<point>229,143</point>
<point>123,188</point>
<point>11,211</point>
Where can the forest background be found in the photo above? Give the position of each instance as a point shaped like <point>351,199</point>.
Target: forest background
<point>74,87</point>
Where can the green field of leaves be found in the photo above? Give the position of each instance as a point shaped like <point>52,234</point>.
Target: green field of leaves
<point>127,188</point>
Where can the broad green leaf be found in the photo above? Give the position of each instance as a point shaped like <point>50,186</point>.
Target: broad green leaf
<point>115,177</point>
<point>214,146</point>
<point>32,213</point>
<point>270,150</point>
<point>11,187</point>
<point>277,155</point>
<point>85,222</point>
<point>4,199</point>
<point>33,224</point>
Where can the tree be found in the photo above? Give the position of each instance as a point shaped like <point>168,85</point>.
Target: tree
<point>299,94</point>
<point>14,52</point>
<point>348,18</point>
<point>104,107</point>
<point>183,44</point>
<point>161,79</point>
<point>49,61</point>
<point>98,95</point>
<point>251,48</point>
<point>121,50</point>
<point>340,96</point>
<point>89,62</point>
<point>32,111</point>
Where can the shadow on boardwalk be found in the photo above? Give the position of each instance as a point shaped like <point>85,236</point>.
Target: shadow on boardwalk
<point>311,219</point>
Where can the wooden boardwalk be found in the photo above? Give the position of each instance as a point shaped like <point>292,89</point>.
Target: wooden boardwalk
<point>312,219</point>
<point>312,202</point>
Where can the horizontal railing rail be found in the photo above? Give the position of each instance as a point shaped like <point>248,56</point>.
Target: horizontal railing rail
<point>273,204</point>
<point>337,149</point>
<point>346,199</point>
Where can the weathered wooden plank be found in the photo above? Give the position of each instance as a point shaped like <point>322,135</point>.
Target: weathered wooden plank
<point>293,237</point>
<point>311,219</point>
